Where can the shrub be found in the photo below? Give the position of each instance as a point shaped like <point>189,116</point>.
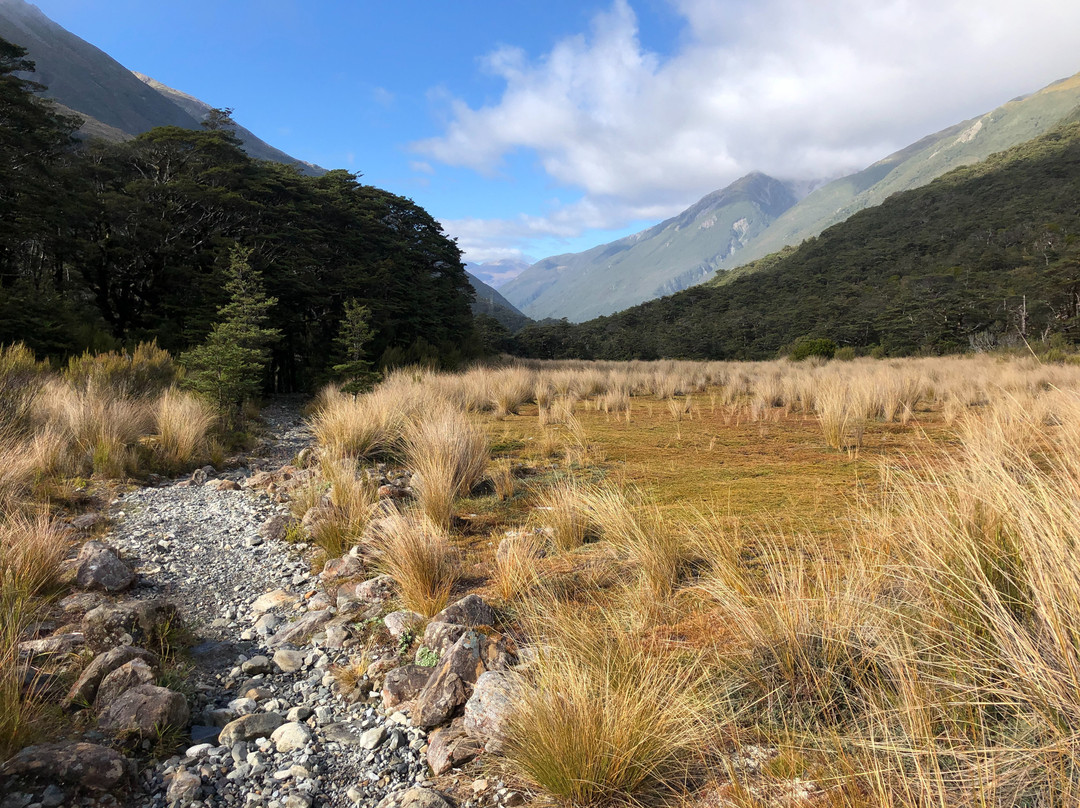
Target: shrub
<point>805,347</point>
<point>145,373</point>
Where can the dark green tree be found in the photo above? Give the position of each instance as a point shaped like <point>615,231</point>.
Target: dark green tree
<point>353,337</point>
<point>229,368</point>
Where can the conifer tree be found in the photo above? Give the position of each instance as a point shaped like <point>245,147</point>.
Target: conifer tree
<point>229,366</point>
<point>353,336</point>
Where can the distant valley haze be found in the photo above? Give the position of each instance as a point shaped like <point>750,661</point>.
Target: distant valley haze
<point>537,130</point>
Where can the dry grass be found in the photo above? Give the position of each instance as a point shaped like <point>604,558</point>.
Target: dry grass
<point>31,550</point>
<point>448,455</point>
<point>183,434</point>
<point>353,499</point>
<point>606,716</point>
<point>358,427</point>
<point>418,555</point>
<point>516,566</point>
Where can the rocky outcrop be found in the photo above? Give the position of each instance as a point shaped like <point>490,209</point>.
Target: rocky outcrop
<point>84,766</point>
<point>451,682</point>
<point>143,623</point>
<point>99,567</point>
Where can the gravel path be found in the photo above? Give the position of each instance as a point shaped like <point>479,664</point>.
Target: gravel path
<point>202,548</point>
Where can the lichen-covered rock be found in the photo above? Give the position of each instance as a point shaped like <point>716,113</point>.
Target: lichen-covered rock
<point>451,682</point>
<point>184,788</point>
<point>470,611</point>
<point>142,622</point>
<point>450,747</point>
<point>145,711</point>
<point>397,623</point>
<point>86,766</point>
<point>272,600</point>
<point>84,691</point>
<point>131,674</point>
<point>489,709</point>
<point>439,636</point>
<point>98,567</point>
<point>403,684</point>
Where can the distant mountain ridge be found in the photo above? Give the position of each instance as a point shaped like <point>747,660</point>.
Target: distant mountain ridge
<point>490,302</point>
<point>672,256</point>
<point>115,102</point>
<point>677,253</point>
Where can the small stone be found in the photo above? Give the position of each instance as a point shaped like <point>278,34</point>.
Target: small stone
<point>99,567</point>
<point>185,788</point>
<point>256,665</point>
<point>288,661</point>
<point>290,736</point>
<point>373,737</point>
<point>250,727</point>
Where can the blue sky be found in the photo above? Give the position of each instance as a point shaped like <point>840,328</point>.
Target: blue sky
<point>534,128</point>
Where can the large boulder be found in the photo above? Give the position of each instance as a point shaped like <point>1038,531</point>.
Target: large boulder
<point>86,766</point>
<point>130,674</point>
<point>84,691</point>
<point>451,682</point>
<point>99,567</point>
<point>141,622</point>
<point>145,711</point>
<point>249,727</point>
<point>489,709</point>
<point>300,630</point>
<point>470,611</point>
<point>450,748</point>
<point>403,684</point>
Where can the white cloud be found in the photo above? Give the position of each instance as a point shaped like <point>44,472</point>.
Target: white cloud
<point>792,88</point>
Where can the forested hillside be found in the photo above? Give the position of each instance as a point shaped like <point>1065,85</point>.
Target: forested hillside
<point>985,254</point>
<point>112,243</point>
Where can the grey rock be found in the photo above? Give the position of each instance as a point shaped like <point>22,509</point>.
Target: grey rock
<point>255,665</point>
<point>290,736</point>
<point>86,766</point>
<point>130,674</point>
<point>298,632</point>
<point>397,623</point>
<point>145,710</point>
<point>339,569</point>
<point>98,567</point>
<point>490,708</point>
<point>249,727</point>
<point>414,798</point>
<point>288,661</point>
<point>373,737</point>
<point>470,611</point>
<point>184,789</point>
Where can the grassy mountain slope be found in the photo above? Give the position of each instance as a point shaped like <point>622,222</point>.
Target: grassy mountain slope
<point>672,255</point>
<point>965,143</point>
<point>985,254</point>
<point>253,145</point>
<point>116,103</point>
<point>489,301</point>
<point>85,78</point>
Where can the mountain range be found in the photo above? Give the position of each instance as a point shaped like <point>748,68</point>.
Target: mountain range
<point>758,215</point>
<point>115,102</point>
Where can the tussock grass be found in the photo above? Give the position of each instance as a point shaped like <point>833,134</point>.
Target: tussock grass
<point>365,426</point>
<point>183,430</point>
<point>606,716</point>
<point>419,556</point>
<point>516,571</point>
<point>449,455</point>
<point>563,509</point>
<point>31,550</point>
<point>354,499</point>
